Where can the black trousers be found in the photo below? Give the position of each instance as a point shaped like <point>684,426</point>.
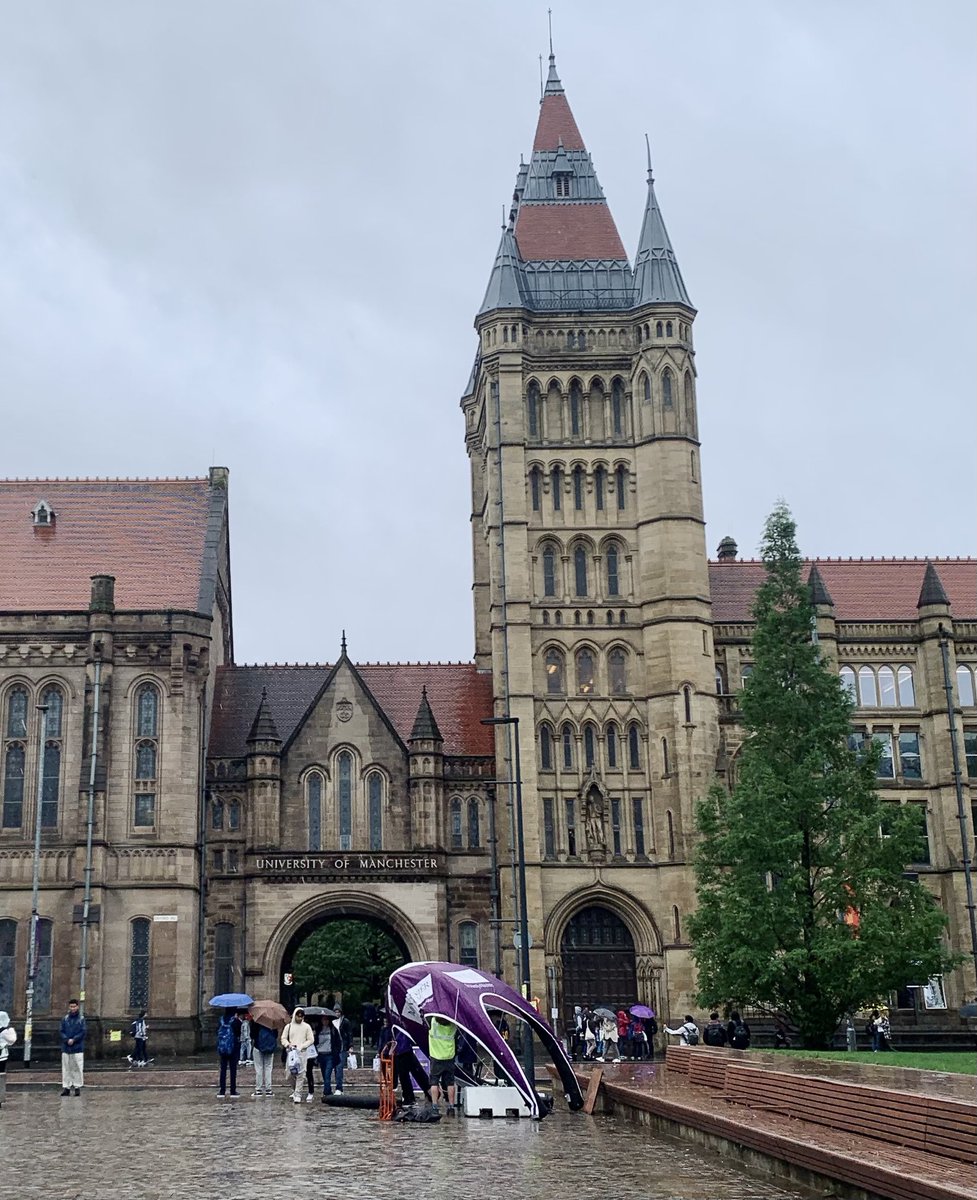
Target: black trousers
<point>406,1065</point>
<point>229,1060</point>
<point>140,1049</point>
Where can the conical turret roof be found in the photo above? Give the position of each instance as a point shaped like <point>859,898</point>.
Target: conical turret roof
<point>818,588</point>
<point>932,591</point>
<point>425,726</point>
<point>657,278</point>
<point>506,283</point>
<point>263,727</point>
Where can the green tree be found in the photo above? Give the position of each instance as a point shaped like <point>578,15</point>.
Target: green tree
<point>803,906</point>
<point>351,957</point>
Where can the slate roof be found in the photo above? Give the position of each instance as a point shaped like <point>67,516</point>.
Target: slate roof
<point>459,697</point>
<point>862,589</point>
<point>156,536</point>
<point>657,278</point>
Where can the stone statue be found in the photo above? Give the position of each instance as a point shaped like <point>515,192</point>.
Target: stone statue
<point>594,815</point>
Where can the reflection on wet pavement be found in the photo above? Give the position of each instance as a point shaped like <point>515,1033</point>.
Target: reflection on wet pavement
<point>143,1145</point>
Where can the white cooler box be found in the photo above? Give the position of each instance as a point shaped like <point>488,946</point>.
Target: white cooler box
<point>493,1102</point>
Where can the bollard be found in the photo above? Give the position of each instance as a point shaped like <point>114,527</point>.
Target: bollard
<point>851,1038</point>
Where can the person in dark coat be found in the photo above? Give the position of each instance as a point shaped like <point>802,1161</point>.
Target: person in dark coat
<point>72,1050</point>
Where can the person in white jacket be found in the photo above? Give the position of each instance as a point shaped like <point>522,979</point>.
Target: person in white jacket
<point>688,1031</point>
<point>299,1035</point>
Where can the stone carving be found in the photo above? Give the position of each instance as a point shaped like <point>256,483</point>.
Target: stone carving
<point>344,710</point>
<point>594,819</point>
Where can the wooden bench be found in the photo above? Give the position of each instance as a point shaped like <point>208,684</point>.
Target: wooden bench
<point>915,1120</point>
<point>677,1058</point>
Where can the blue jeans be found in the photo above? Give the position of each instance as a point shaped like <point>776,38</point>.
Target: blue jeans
<point>328,1064</point>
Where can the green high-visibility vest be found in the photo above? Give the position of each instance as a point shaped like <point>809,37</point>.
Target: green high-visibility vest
<point>441,1040</point>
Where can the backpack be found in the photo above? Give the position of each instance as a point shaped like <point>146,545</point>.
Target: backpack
<point>741,1037</point>
<point>714,1034</point>
<point>691,1035</point>
<point>267,1040</point>
<point>225,1037</point>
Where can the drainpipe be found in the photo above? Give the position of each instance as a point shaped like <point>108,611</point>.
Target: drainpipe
<point>35,891</point>
<point>86,907</point>
<point>202,844</point>
<point>494,889</point>
<point>958,785</point>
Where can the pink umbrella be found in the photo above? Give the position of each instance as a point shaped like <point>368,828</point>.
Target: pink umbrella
<point>642,1012</point>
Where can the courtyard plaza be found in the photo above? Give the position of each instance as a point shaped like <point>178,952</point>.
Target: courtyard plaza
<point>130,1142</point>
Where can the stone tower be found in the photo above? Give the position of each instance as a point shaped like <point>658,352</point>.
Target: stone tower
<point>591,588</point>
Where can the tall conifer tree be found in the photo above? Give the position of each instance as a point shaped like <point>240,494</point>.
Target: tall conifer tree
<point>804,906</point>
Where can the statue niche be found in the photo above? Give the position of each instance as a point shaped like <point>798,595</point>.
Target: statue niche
<point>594,798</point>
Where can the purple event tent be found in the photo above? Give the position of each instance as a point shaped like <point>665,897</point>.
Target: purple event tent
<point>465,996</point>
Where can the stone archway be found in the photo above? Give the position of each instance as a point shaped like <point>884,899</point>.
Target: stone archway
<point>319,910</point>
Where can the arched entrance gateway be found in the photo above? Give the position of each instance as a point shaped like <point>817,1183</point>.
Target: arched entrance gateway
<point>598,960</point>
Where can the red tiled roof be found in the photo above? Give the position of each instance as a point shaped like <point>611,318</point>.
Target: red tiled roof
<point>148,533</point>
<point>567,231</point>
<point>459,696</point>
<point>556,123</point>
<point>870,589</point>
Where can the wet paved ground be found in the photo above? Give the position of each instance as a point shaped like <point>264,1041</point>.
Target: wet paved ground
<point>143,1145</point>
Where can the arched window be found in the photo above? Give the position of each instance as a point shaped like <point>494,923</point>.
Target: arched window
<point>313,797</point>
<point>345,771</point>
<point>217,816</point>
<point>621,485</point>
<point>965,687</point>
<point>532,407</point>
<point>666,765</point>
<point>45,965</point>
<point>689,402</point>
<point>907,693</point>
<point>578,479</point>
<point>617,671</point>
<point>585,672</point>
<point>474,830</point>
<point>566,737</point>
<point>139,933</point>
<point>687,704</point>
<point>8,962</point>
<point>676,923</point>
<point>646,388</point>
<point>589,745</point>
<point>549,571</point>
<point>887,687</point>
<point>666,389</point>
<point>617,407</point>
<point>576,405</point>
<point>693,467</point>
<point>545,748</point>
<point>611,741</point>
<point>658,329</point>
<point>555,664</point>
<point>374,795</point>
<point>457,841</point>
<point>146,757</point>
<point>668,329</point>
<point>13,786</point>
<point>613,579</point>
<point>556,486</point>
<point>600,487</point>
<point>634,748</point>
<point>234,815</point>
<point>16,724</point>
<point>847,677</point>
<point>580,571</point>
<point>536,489</point>
<point>867,696</point>
<point>53,699</point>
<point>468,944</point>
<point>223,958</point>
<point>670,834</point>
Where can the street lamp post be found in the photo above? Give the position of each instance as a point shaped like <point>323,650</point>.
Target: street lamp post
<point>35,891</point>
<point>528,1059</point>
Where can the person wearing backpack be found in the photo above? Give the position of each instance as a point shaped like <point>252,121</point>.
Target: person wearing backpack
<point>688,1031</point>
<point>714,1033</point>
<point>738,1032</point>
<point>265,1043</point>
<point>229,1050</point>
<point>139,1031</point>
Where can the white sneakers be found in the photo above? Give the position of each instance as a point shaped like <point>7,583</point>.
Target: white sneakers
<point>309,1098</point>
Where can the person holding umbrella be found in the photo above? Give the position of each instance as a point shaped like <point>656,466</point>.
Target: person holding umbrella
<point>267,1017</point>
<point>610,1046</point>
<point>229,1037</point>
<point>644,1027</point>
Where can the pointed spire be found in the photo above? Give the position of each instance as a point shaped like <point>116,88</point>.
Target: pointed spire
<point>657,278</point>
<point>263,727</point>
<point>505,285</point>
<point>342,645</point>
<point>553,85</point>
<point>817,587</point>
<point>932,591</point>
<point>425,726</point>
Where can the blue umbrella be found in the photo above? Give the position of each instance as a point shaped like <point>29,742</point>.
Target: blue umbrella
<point>230,1000</point>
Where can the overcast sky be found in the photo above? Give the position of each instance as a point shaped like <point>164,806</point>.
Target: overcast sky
<point>256,234</point>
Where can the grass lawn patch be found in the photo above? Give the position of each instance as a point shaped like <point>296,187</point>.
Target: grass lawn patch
<point>956,1063</point>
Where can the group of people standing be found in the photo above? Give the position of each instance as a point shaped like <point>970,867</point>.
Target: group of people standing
<point>305,1043</point>
<point>610,1037</point>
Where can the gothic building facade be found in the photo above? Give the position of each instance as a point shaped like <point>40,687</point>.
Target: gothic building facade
<point>198,818</point>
